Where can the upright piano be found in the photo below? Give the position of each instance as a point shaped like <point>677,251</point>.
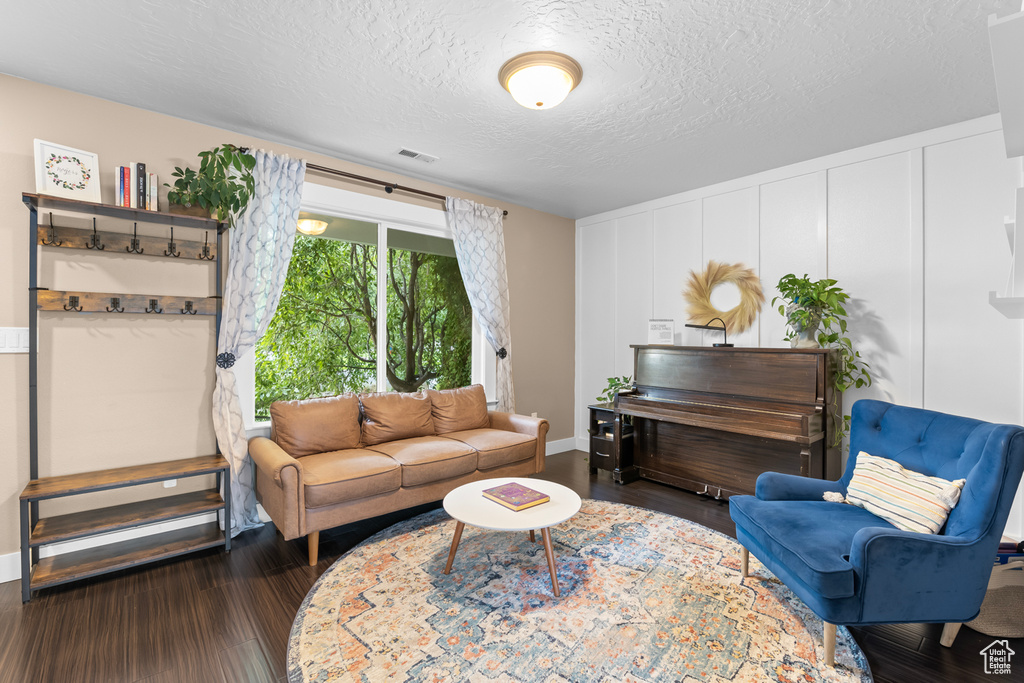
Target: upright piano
<point>711,420</point>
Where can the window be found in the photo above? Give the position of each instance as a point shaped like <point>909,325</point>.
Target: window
<point>328,337</point>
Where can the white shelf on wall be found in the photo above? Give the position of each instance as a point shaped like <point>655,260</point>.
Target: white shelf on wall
<point>1010,306</point>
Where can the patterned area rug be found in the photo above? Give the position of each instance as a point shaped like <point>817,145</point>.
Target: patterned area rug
<point>645,597</point>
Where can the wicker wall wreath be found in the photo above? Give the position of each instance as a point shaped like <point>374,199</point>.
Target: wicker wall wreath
<point>698,295</point>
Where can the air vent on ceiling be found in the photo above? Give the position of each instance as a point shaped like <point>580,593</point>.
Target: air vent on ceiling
<point>426,158</point>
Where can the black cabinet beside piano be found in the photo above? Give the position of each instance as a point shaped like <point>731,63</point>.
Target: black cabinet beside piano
<point>711,420</point>
<point>607,452</point>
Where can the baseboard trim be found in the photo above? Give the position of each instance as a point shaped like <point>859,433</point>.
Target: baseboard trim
<point>583,443</point>
<point>560,446</point>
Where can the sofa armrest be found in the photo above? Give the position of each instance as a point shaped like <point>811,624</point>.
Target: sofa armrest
<point>279,486</point>
<point>909,576</point>
<point>534,426</point>
<point>776,486</point>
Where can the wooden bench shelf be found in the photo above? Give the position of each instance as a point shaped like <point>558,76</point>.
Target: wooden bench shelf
<point>81,564</point>
<point>176,511</point>
<point>99,480</point>
<point>103,520</point>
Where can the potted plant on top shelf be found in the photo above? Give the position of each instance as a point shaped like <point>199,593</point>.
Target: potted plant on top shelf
<point>222,186</point>
<point>815,313</point>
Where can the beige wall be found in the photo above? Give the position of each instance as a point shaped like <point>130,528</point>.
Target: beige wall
<point>121,391</point>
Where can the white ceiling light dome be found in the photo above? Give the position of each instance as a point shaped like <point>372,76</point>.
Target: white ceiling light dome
<point>540,80</point>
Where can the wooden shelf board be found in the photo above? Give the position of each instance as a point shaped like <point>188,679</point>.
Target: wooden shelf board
<point>98,480</point>
<point>41,201</point>
<point>58,569</point>
<point>103,520</point>
<point>120,243</point>
<point>98,302</point>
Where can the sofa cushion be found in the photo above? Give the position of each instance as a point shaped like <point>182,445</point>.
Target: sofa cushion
<point>810,538</point>
<point>455,410</point>
<point>315,425</point>
<point>497,447</point>
<point>390,415</point>
<point>339,476</point>
<point>427,459</point>
<point>908,500</point>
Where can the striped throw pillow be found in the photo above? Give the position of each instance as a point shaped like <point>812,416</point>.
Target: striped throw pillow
<point>908,500</point>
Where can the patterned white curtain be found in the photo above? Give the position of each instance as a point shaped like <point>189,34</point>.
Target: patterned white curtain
<point>259,251</point>
<point>480,247</point>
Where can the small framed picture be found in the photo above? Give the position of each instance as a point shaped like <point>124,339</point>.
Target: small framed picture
<point>63,171</point>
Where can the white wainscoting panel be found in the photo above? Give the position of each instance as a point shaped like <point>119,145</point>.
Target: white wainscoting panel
<point>678,249</point>
<point>789,244</point>
<point>971,348</point>
<point>633,290</point>
<point>731,236</point>
<point>869,253</point>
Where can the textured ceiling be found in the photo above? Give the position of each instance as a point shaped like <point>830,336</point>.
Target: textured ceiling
<point>676,94</point>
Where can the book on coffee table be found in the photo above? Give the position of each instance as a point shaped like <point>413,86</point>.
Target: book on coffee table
<point>515,496</point>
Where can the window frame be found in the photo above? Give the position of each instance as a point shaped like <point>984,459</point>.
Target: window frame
<point>387,214</point>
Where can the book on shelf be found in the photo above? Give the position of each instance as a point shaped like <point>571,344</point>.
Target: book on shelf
<point>139,188</point>
<point>515,496</point>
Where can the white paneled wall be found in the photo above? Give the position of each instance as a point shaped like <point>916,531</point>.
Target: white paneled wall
<point>731,236</point>
<point>912,228</point>
<point>634,261</point>
<point>790,222</point>
<point>869,254</point>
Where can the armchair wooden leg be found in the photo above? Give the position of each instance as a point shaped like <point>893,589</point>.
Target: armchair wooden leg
<point>744,562</point>
<point>830,644</point>
<point>949,632</point>
<point>314,546</point>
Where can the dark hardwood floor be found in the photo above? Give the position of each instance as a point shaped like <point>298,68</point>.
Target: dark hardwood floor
<point>225,618</point>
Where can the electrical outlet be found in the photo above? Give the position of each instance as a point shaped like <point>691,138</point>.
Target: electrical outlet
<point>170,483</point>
<point>13,340</point>
<point>533,414</point>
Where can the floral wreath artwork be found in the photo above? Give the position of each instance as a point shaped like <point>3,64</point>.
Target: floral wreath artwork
<point>83,172</point>
<point>698,295</point>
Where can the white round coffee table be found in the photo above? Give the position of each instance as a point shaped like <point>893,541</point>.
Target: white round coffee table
<point>467,505</point>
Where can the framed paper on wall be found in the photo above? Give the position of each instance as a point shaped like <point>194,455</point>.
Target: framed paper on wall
<point>63,171</point>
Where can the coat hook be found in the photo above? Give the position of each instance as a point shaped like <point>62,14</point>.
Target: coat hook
<point>72,304</point>
<point>188,310</point>
<point>115,305</point>
<point>135,248</point>
<point>206,255</point>
<point>51,237</point>
<point>152,306</point>
<point>172,248</point>
<point>94,242</point>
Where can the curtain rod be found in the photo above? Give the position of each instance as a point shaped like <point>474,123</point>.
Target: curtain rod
<point>388,187</point>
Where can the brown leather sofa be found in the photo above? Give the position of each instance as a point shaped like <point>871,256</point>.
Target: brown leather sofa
<point>331,461</point>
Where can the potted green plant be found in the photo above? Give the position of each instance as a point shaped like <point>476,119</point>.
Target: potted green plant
<point>816,316</point>
<point>615,386</point>
<point>222,186</point>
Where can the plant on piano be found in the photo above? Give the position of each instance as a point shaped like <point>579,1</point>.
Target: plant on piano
<point>815,313</point>
<point>615,385</point>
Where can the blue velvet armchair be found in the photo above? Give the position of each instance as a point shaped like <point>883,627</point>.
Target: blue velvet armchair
<point>851,567</point>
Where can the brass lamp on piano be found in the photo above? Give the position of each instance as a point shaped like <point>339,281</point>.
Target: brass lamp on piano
<point>711,419</point>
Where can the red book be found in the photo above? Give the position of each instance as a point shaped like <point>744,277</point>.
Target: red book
<point>126,181</point>
<point>515,496</point>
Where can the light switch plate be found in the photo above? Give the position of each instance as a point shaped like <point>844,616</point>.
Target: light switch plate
<point>13,340</point>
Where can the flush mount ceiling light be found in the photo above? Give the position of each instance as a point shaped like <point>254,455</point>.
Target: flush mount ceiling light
<point>540,80</point>
<point>311,226</point>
